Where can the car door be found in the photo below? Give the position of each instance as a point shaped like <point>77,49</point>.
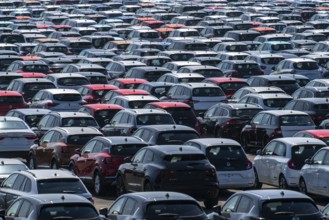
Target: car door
<point>90,163</point>
<point>262,130</point>
<point>17,189</point>
<point>248,135</point>
<point>81,165</point>
<point>130,171</point>
<point>321,179</point>
<point>142,170</point>
<point>262,162</point>
<point>40,150</point>
<point>210,119</point>
<point>277,162</point>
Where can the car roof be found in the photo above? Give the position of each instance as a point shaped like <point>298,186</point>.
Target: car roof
<point>61,91</point>
<point>319,133</point>
<point>138,97</point>
<point>268,194</point>
<point>299,140</point>
<point>316,100</point>
<point>48,174</point>
<point>146,111</point>
<point>32,111</point>
<point>78,130</point>
<point>269,95</point>
<point>56,198</point>
<point>175,149</point>
<point>104,106</point>
<point>285,112</point>
<point>169,127</point>
<point>159,196</point>
<point>170,104</point>
<point>117,140</point>
<point>208,142</point>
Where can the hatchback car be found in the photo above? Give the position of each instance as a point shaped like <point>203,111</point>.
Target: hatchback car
<point>247,90</point>
<point>50,206</point>
<point>67,80</point>
<point>95,92</point>
<point>155,205</point>
<point>270,204</point>
<point>11,100</point>
<point>98,161</point>
<point>268,125</point>
<point>8,166</point>
<point>288,156</point>
<point>164,168</point>
<point>229,85</point>
<point>31,182</point>
<point>234,170</point>
<point>31,116</point>
<point>268,101</point>
<point>57,145</point>
<point>240,68</point>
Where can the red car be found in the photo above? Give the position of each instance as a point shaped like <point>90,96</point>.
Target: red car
<point>124,92</point>
<point>182,113</point>
<point>33,75</point>
<point>93,93</point>
<point>103,113</point>
<point>127,83</point>
<point>11,100</point>
<point>98,161</point>
<point>229,85</point>
<point>322,134</point>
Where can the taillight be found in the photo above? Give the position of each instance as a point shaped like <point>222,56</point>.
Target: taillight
<point>292,165</point>
<point>318,118</point>
<point>31,137</point>
<point>249,165</point>
<point>51,104</point>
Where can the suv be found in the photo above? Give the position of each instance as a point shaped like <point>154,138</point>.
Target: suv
<point>127,121</point>
<point>31,182</point>
<point>57,145</point>
<point>64,119</point>
<point>67,80</point>
<point>240,68</point>
<point>268,101</point>
<point>164,168</point>
<point>268,125</point>
<point>288,155</point>
<point>229,85</point>
<point>200,96</point>
<point>94,93</point>
<point>28,87</point>
<point>105,154</point>
<point>21,66</point>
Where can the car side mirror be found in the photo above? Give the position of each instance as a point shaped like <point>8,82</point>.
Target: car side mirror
<point>78,151</point>
<point>127,160</point>
<point>103,211</point>
<point>259,152</point>
<point>274,68</point>
<point>309,161</point>
<point>217,209</point>
<point>37,142</point>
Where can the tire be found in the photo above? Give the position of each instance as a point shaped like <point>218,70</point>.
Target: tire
<point>54,164</point>
<point>283,183</point>
<point>32,163</point>
<point>210,203</point>
<point>148,187</point>
<point>120,186</point>
<point>98,184</point>
<point>258,185</point>
<point>302,186</point>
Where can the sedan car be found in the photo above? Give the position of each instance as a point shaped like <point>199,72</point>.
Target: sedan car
<point>270,204</point>
<point>155,205</point>
<point>176,168</point>
<point>314,174</point>
<point>51,206</point>
<point>98,161</point>
<point>282,159</point>
<point>234,170</point>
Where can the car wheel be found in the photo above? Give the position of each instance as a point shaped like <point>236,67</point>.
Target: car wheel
<point>148,187</point>
<point>258,185</point>
<point>32,163</point>
<point>54,164</point>
<point>302,186</point>
<point>98,184</point>
<point>283,183</point>
<point>210,203</point>
<point>120,186</point>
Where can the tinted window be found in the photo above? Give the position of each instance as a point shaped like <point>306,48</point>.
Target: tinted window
<point>78,122</point>
<point>271,60</point>
<point>206,92</point>
<point>184,116</point>
<point>293,120</point>
<point>80,139</point>
<point>154,119</point>
<point>72,81</point>
<point>37,86</point>
<point>244,113</point>
<point>301,152</point>
<point>184,157</point>
<point>35,68</point>
<point>64,185</point>
<point>71,211</point>
<point>126,149</point>
<point>178,137</point>
<point>11,99</point>
<point>67,97</point>
<point>276,103</point>
<point>306,65</point>
<point>138,104</point>
<point>8,125</point>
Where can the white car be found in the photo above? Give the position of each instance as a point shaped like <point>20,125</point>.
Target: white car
<point>234,170</point>
<point>280,161</point>
<point>314,175</point>
<point>16,137</point>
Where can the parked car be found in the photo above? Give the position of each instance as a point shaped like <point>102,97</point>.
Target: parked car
<point>10,165</point>
<point>11,100</point>
<point>164,168</point>
<point>234,170</point>
<point>105,154</point>
<point>287,155</point>
<point>321,134</point>
<point>57,145</point>
<point>40,182</point>
<point>270,204</point>
<point>31,116</point>
<point>268,125</point>
<point>268,101</point>
<point>93,93</point>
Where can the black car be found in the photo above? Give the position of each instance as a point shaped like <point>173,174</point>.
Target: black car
<point>227,120</point>
<point>184,169</point>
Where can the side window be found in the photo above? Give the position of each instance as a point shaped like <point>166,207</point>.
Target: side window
<point>257,119</point>
<point>18,184</point>
<point>25,210</point>
<point>319,157</point>
<point>280,150</point>
<point>290,105</point>
<point>266,120</point>
<point>116,118</point>
<point>13,210</point>
<point>269,148</point>
<point>43,121</point>
<point>50,121</point>
<point>138,158</point>
<point>231,205</point>
<point>148,157</point>
<point>46,137</point>
<point>129,207</point>
<point>124,118</point>
<point>88,147</point>
<point>117,207</point>
<point>244,205</point>
<point>56,137</point>
<point>9,182</point>
<point>98,147</point>
<point>146,135</point>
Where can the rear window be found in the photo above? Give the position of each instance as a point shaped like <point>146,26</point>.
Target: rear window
<point>300,153</point>
<point>154,119</point>
<point>74,81</point>
<point>247,66</point>
<point>278,47</point>
<point>227,157</point>
<point>174,158</point>
<point>160,91</point>
<point>281,209</point>
<point>283,83</point>
<point>35,68</point>
<point>321,108</point>
<point>276,103</point>
<point>63,185</point>
<point>190,79</point>
<point>12,125</point>
<point>210,73</point>
<point>306,66</point>
<point>67,97</point>
<point>57,49</point>
<point>161,210</point>
<point>271,60</point>
<point>138,104</point>
<point>104,116</point>
<point>207,92</point>
<point>7,79</point>
<point>68,211</point>
<point>32,120</point>
<point>153,76</point>
<point>97,79</point>
<point>79,122</point>
<point>293,120</point>
<point>244,113</point>
<point>178,137</point>
<point>11,99</point>
<point>125,149</point>
<point>322,94</point>
<point>80,139</point>
<point>37,86</point>
<point>183,116</point>
<point>232,86</point>
<point>196,46</point>
<point>10,168</point>
<point>149,35</point>
<point>237,48</point>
